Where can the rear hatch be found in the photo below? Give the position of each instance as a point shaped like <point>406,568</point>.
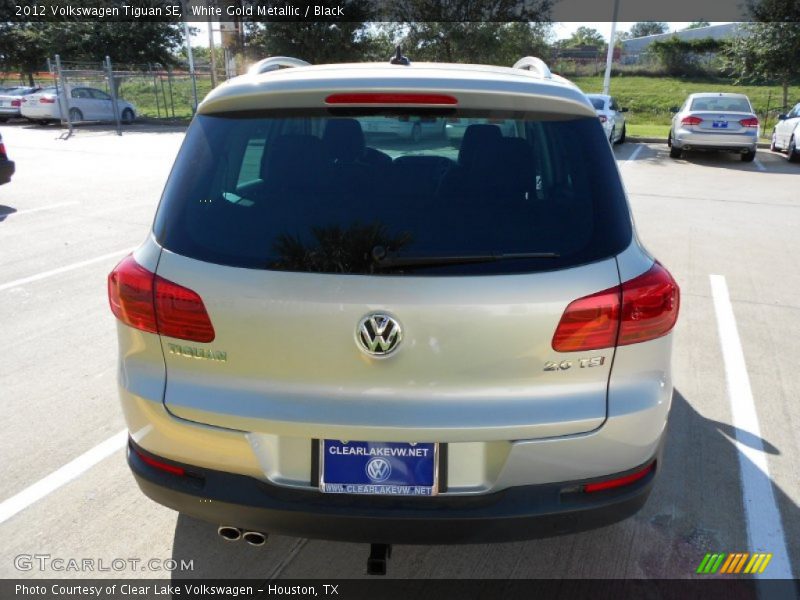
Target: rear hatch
<point>295,226</point>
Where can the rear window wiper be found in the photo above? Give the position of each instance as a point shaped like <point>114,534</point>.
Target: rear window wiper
<point>383,259</point>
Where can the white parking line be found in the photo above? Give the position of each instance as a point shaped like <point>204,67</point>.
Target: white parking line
<point>28,211</point>
<point>634,154</point>
<point>759,165</point>
<point>72,267</point>
<point>65,474</point>
<point>764,527</point>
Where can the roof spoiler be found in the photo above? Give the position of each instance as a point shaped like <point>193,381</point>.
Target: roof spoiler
<point>534,65</point>
<point>274,63</point>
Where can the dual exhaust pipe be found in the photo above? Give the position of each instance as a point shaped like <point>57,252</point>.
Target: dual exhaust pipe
<point>234,534</point>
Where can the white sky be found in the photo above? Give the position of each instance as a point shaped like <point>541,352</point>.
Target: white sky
<point>561,30</point>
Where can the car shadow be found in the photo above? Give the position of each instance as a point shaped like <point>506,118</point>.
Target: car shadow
<point>695,508</point>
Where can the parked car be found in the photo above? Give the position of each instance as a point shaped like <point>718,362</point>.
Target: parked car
<point>11,100</point>
<point>611,115</point>
<point>716,122</point>
<point>325,339</point>
<point>6,165</point>
<point>786,134</point>
<point>85,104</point>
<point>455,128</point>
<point>408,128</point>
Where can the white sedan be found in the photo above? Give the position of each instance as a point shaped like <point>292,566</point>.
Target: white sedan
<point>786,134</point>
<point>85,104</point>
<point>611,116</point>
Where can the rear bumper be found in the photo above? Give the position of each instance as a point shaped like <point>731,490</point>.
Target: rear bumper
<point>692,140</point>
<point>7,169</point>
<point>517,513</point>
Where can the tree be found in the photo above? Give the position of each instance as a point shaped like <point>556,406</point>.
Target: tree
<point>643,28</point>
<point>479,43</point>
<point>586,36</point>
<point>697,25</point>
<point>682,57</point>
<point>767,52</point>
<point>318,42</point>
<point>25,47</point>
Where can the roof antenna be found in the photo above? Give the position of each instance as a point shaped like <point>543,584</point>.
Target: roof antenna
<point>398,58</point>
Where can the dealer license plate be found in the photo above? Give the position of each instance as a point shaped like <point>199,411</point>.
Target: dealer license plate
<point>378,468</point>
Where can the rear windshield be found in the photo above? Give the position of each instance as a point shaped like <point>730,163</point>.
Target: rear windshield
<point>598,103</point>
<point>721,104</point>
<point>332,192</point>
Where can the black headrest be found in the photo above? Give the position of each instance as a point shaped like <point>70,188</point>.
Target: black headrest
<point>294,161</point>
<point>344,139</point>
<point>477,140</point>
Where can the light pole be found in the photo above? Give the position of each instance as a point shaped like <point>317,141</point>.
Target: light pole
<point>191,57</point>
<point>610,55</point>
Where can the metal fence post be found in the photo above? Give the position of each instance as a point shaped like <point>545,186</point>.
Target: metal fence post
<point>155,90</point>
<point>63,103</point>
<point>171,95</point>
<point>113,88</point>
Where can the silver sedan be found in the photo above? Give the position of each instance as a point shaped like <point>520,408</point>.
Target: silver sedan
<point>715,121</point>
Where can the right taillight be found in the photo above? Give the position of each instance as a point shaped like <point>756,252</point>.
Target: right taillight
<point>639,310</point>
<point>47,100</point>
<point>151,303</point>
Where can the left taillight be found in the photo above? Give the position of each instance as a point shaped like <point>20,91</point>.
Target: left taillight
<point>147,302</point>
<point>16,103</point>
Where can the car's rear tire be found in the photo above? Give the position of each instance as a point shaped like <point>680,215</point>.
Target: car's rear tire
<point>3,119</point>
<point>75,114</point>
<point>772,145</point>
<point>611,135</point>
<point>621,139</point>
<point>674,152</point>
<point>127,116</point>
<point>748,156</point>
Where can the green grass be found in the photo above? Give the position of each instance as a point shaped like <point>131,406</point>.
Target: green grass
<point>142,92</point>
<point>650,98</point>
<point>648,130</point>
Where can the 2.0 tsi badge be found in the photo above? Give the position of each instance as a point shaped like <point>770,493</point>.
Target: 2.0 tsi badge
<point>378,334</point>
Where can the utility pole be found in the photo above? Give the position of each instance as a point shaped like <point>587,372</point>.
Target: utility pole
<point>610,55</point>
<point>212,52</point>
<point>190,56</point>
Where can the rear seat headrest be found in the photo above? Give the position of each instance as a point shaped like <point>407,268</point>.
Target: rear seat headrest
<point>344,139</point>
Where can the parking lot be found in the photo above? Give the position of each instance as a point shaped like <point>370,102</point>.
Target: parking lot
<point>727,230</point>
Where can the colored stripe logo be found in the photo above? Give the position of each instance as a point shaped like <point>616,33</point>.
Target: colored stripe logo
<point>734,563</point>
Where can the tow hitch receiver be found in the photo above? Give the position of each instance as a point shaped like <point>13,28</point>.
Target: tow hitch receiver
<point>378,555</point>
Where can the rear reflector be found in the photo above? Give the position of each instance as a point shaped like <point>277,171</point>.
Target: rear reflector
<point>45,100</point>
<point>2,149</point>
<point>642,309</point>
<point>157,464</point>
<point>691,121</point>
<point>391,99</point>
<point>151,303</point>
<point>751,122</point>
<point>599,486</point>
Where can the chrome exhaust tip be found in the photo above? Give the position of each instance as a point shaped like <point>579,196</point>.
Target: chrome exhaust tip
<point>229,534</point>
<point>255,538</point>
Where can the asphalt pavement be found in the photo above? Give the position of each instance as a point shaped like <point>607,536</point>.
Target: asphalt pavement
<point>727,230</point>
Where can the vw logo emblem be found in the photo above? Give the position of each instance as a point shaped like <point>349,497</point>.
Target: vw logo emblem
<point>378,469</point>
<point>378,334</point>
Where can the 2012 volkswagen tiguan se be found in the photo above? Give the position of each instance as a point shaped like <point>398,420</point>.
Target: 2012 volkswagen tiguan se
<point>337,334</point>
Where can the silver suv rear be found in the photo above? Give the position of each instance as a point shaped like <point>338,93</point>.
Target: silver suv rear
<point>334,333</point>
